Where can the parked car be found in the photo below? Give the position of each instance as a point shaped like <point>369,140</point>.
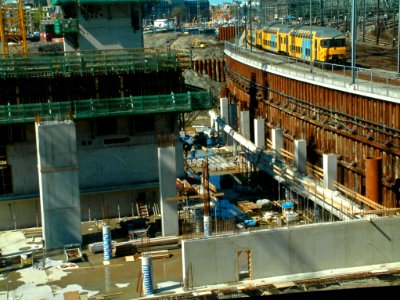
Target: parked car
<point>34,37</point>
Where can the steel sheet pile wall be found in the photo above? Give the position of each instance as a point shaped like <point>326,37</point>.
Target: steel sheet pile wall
<point>212,67</point>
<point>228,32</point>
<point>331,121</point>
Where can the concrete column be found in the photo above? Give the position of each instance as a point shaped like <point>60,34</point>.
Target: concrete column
<point>245,124</point>
<point>277,140</point>
<point>180,172</point>
<point>224,104</point>
<point>58,183</point>
<point>224,113</point>
<point>259,133</point>
<point>329,162</point>
<point>167,178</point>
<point>300,155</point>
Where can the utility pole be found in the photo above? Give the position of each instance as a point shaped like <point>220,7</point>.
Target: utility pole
<point>398,40</point>
<point>251,29</point>
<point>353,41</point>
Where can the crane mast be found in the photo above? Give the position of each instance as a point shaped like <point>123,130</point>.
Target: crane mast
<point>12,28</point>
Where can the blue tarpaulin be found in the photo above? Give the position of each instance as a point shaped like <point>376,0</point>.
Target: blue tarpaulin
<point>225,209</point>
<point>287,205</point>
<point>215,180</point>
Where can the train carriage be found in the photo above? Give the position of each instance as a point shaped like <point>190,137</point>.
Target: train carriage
<point>270,38</point>
<point>314,43</point>
<point>300,39</point>
<point>330,45</point>
<point>283,38</point>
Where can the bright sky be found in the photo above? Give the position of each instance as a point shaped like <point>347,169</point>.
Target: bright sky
<point>213,2</point>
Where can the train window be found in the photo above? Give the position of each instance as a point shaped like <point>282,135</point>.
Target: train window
<point>333,43</point>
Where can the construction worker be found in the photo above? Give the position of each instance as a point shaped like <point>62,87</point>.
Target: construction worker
<point>193,153</point>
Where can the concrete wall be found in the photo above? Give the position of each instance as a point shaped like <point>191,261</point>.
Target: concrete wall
<point>94,204</point>
<point>117,165</point>
<point>108,173</point>
<point>291,251</point>
<point>22,159</point>
<point>26,213</point>
<point>20,214</point>
<point>110,28</point>
<point>100,164</point>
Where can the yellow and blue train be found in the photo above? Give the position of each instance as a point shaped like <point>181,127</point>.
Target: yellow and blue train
<point>321,44</point>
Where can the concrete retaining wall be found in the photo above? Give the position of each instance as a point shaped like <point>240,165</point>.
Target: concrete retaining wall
<point>26,213</point>
<point>290,251</point>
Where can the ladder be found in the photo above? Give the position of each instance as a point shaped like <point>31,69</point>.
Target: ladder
<point>142,209</point>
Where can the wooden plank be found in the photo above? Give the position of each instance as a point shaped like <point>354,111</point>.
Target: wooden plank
<point>282,285</point>
<point>157,254</point>
<point>72,295</point>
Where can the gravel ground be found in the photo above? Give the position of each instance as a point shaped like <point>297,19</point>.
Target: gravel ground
<point>181,42</point>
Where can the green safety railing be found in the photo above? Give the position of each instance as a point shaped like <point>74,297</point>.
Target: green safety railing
<point>27,113</point>
<point>88,63</point>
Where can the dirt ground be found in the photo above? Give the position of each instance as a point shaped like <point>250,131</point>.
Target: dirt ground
<point>369,55</point>
<point>181,42</point>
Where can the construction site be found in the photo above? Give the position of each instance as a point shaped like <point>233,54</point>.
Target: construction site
<point>169,166</point>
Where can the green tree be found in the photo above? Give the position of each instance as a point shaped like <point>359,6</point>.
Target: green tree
<point>178,12</point>
<point>37,17</point>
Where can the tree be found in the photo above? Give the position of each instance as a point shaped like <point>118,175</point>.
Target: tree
<point>178,12</point>
<point>37,17</point>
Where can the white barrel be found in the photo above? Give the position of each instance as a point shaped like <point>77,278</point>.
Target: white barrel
<point>107,242</point>
<point>147,271</point>
<point>207,227</point>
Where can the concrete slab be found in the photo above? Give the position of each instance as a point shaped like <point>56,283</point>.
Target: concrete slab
<point>14,242</point>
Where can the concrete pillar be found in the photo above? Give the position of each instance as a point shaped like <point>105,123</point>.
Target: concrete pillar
<point>180,172</point>
<point>329,163</point>
<point>245,124</point>
<point>167,178</point>
<point>224,107</point>
<point>300,155</point>
<point>373,175</point>
<point>224,104</point>
<point>58,183</point>
<point>277,140</point>
<point>259,133</point>
<point>234,147</point>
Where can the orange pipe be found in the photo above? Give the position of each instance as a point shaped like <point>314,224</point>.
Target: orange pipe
<point>373,175</point>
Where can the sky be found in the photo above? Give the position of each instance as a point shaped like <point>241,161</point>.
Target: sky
<point>213,2</point>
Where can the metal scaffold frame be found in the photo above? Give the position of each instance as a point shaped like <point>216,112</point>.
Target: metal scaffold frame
<point>26,113</point>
